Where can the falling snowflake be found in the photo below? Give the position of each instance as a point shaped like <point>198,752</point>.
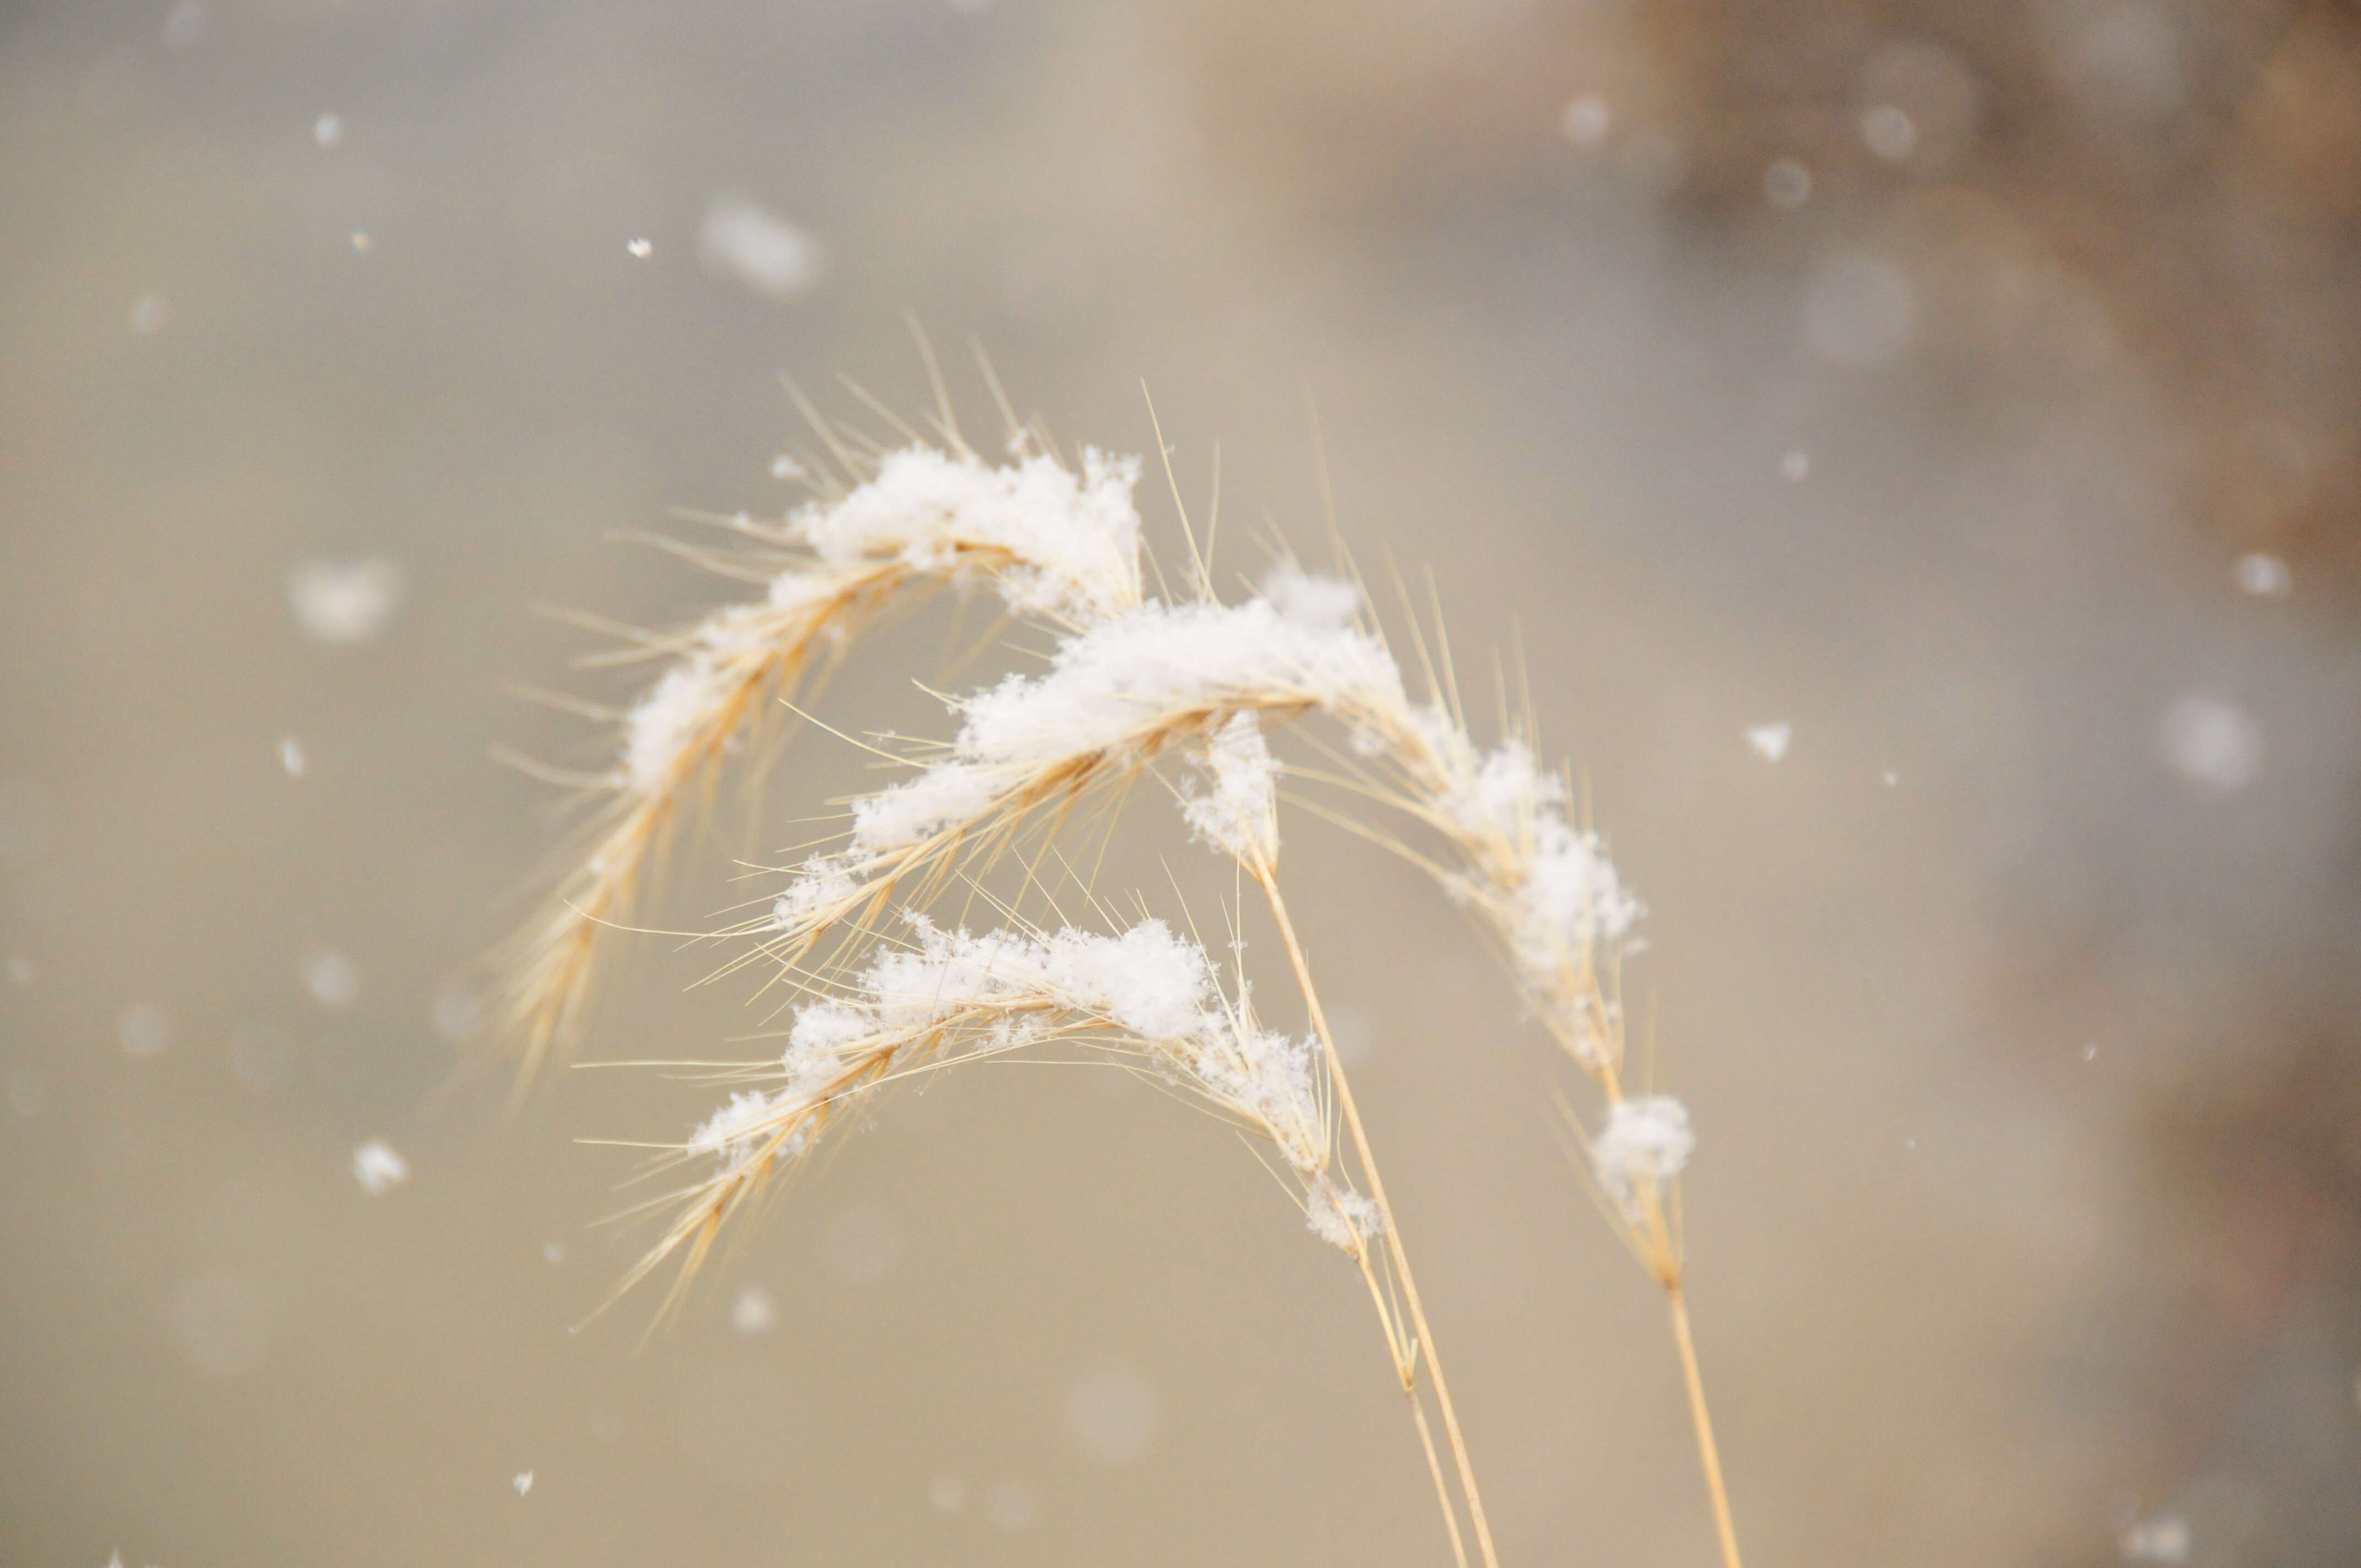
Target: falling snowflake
<point>378,1167</point>
<point>2264,576</point>
<point>1586,120</point>
<point>343,602</point>
<point>1769,741</point>
<point>751,1312</point>
<point>758,247</point>
<point>331,978</point>
<point>1786,184</point>
<point>2213,744</point>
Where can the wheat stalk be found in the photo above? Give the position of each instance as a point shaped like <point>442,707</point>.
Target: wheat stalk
<point>1133,682</point>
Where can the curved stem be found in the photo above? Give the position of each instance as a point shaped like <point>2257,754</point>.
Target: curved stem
<point>1262,874</point>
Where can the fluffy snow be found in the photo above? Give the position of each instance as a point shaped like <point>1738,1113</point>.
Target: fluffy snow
<point>1128,682</point>
<point>1645,1144</point>
<point>1008,988</point>
<point>1769,741</point>
<point>1239,814</point>
<point>378,1167</point>
<point>1072,540</point>
<point>1310,599</point>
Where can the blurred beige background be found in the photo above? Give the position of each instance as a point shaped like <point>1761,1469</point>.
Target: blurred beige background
<point>1968,388</point>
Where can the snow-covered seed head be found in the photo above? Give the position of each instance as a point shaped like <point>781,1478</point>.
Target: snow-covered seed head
<point>1147,995</point>
<point>1055,542</point>
<point>1641,1150</point>
<point>1340,1217</point>
<point>1238,812</point>
<point>1052,541</point>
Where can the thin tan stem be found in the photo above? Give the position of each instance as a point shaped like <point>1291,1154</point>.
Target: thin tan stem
<point>1263,873</point>
<point>1405,1359</point>
<point>1706,1450</point>
<point>1435,1468</point>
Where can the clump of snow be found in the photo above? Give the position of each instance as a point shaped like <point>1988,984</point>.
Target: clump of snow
<point>1769,741</point>
<point>522,1482</point>
<point>378,1167</point>
<point>668,725</point>
<point>1572,900</point>
<point>346,602</point>
<point>1645,1144</point>
<point>1310,599</point>
<point>733,1132</point>
<point>745,240</point>
<point>1060,543</point>
<point>1556,898</point>
<point>1239,814</point>
<point>1339,1217</point>
<point>1118,682</point>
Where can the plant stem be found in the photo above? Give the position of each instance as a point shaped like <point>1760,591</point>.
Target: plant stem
<point>1405,1359</point>
<point>1263,873</point>
<point>1435,1468</point>
<point>1704,1422</point>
